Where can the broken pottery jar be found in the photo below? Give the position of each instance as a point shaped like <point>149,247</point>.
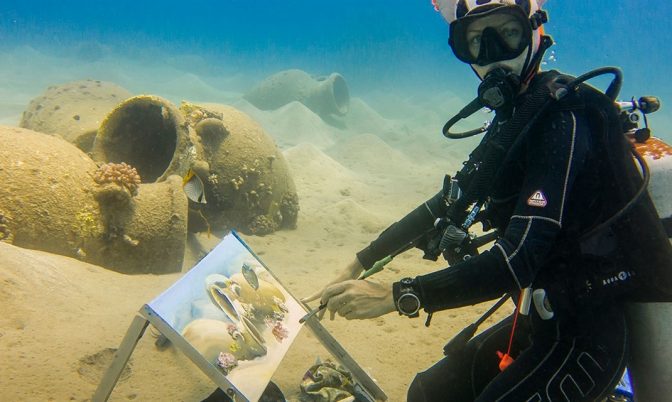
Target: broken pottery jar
<point>247,182</point>
<point>149,133</point>
<point>56,199</point>
<point>73,110</point>
<point>327,96</point>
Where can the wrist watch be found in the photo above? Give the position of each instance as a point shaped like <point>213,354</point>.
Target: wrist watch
<point>406,299</point>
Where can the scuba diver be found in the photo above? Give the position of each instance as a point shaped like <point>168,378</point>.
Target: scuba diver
<point>575,232</point>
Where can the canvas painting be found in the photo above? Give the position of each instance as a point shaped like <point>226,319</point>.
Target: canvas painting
<point>233,311</point>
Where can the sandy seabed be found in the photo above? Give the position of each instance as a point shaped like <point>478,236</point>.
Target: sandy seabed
<point>60,319</point>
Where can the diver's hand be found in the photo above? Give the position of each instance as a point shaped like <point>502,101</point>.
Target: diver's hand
<point>352,271</point>
<point>358,299</point>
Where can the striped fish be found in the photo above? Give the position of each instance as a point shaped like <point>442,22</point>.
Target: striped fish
<point>193,187</point>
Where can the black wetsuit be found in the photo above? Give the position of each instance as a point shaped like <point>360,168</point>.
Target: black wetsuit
<point>545,193</point>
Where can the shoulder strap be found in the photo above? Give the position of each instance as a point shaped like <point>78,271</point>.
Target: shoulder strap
<point>500,144</point>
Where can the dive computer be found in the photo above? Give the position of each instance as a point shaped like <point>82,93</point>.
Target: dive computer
<point>406,299</point>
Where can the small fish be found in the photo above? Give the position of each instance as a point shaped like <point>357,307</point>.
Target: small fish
<point>193,187</point>
<point>250,276</point>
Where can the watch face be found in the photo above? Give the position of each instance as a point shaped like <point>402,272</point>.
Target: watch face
<point>408,303</point>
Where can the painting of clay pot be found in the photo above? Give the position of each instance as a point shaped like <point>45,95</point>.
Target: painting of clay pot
<point>212,337</point>
<point>73,110</point>
<point>225,308</point>
<point>237,298</point>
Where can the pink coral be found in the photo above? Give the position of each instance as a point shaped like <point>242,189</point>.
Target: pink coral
<point>227,362</point>
<point>121,174</point>
<point>279,331</point>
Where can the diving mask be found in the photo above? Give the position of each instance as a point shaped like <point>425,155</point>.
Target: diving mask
<point>491,35</point>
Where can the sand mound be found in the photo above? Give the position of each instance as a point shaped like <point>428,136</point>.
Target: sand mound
<point>390,104</point>
<point>320,179</point>
<point>424,113</point>
<point>293,124</point>
<point>368,153</point>
<point>10,109</point>
<point>333,197</point>
<point>62,317</point>
<point>309,161</point>
<point>175,86</point>
<point>363,119</point>
<point>438,154</point>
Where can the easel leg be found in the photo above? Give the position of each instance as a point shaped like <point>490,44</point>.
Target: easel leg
<point>109,380</point>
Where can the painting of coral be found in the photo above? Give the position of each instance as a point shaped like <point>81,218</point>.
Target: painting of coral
<point>235,313</point>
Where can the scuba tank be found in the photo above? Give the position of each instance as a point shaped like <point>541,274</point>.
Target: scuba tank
<point>651,323</point>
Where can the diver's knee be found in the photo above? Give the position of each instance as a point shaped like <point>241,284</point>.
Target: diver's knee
<point>416,392</point>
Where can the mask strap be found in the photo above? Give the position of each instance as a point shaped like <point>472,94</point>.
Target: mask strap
<point>545,42</point>
<point>523,75</point>
<point>537,20</point>
<point>475,72</point>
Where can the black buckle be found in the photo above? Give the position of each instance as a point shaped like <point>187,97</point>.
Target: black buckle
<point>539,18</point>
<point>451,190</point>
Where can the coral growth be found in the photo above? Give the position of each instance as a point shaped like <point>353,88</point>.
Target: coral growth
<point>289,208</point>
<point>277,328</point>
<point>262,225</point>
<point>87,222</point>
<point>194,114</point>
<point>227,362</point>
<point>121,174</point>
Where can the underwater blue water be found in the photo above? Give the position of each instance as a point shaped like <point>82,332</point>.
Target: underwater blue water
<point>374,44</point>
